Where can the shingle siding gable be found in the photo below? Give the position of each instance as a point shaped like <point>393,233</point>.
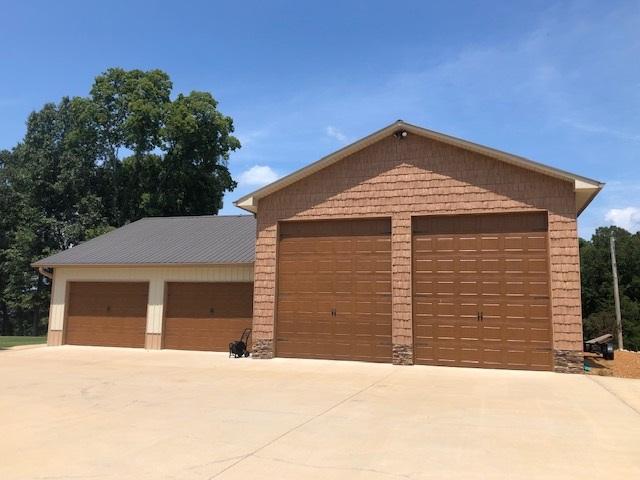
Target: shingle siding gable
<point>419,176</point>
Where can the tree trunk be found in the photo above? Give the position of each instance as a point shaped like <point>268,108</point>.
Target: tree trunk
<point>4,319</point>
<point>35,318</point>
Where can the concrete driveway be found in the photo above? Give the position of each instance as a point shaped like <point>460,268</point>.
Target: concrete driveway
<point>103,413</point>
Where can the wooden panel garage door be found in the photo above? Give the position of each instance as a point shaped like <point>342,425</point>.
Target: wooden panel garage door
<point>481,291</point>
<point>111,314</point>
<point>334,290</point>
<point>206,316</point>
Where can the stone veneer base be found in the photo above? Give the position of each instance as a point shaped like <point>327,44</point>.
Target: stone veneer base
<point>568,361</point>
<point>262,349</point>
<point>402,354</point>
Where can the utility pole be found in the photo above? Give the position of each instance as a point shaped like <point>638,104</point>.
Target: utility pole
<point>616,293</point>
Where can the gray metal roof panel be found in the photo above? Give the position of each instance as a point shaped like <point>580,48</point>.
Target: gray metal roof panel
<point>202,240</point>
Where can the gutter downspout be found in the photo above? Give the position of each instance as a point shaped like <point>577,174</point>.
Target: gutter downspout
<point>45,273</point>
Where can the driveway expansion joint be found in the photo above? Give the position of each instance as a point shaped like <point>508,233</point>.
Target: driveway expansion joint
<point>302,424</point>
<point>614,394</point>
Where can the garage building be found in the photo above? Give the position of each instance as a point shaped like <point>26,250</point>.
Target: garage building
<point>180,283</point>
<point>412,246</point>
<point>408,246</point>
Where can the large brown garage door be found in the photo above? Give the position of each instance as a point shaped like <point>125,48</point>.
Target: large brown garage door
<point>481,291</point>
<point>334,290</point>
<point>206,316</point>
<point>111,314</point>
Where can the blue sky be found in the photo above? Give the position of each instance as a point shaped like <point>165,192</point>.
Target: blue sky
<point>558,82</point>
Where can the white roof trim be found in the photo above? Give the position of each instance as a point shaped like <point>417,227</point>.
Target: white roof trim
<point>586,188</point>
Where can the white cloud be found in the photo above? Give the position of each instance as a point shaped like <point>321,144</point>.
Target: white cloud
<point>257,176</point>
<point>333,132</point>
<point>627,218</point>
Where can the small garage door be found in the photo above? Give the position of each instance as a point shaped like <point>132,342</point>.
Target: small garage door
<point>481,291</point>
<point>206,316</point>
<point>334,290</point>
<point>111,314</point>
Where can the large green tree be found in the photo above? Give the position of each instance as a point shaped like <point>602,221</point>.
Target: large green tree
<point>8,221</point>
<point>597,284</point>
<point>190,175</point>
<point>53,177</point>
<point>89,164</point>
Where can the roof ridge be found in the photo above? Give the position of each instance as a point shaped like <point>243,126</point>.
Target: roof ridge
<point>195,216</point>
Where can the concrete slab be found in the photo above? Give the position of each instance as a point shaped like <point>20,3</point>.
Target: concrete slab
<point>83,412</point>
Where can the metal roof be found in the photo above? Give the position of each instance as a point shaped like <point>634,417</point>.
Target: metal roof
<point>202,240</point>
<point>586,188</point>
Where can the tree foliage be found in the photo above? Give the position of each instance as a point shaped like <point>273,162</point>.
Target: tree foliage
<point>90,164</point>
<point>597,284</point>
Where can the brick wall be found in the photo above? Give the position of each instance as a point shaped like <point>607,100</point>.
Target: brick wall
<point>419,176</point>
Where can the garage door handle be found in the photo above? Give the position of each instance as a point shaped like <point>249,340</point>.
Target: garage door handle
<point>333,312</point>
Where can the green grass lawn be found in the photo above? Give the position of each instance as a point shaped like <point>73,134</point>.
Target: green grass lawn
<point>6,342</point>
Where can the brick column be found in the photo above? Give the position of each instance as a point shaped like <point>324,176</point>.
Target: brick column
<point>401,323</point>
<point>264,291</point>
<point>566,304</point>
